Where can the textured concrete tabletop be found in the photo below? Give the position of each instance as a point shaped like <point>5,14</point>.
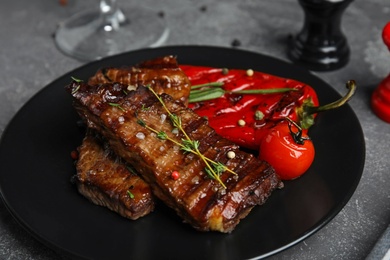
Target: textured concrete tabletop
<point>29,60</point>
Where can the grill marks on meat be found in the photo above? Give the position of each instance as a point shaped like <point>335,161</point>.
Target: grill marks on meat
<point>106,181</point>
<point>108,187</point>
<point>162,73</point>
<point>194,196</point>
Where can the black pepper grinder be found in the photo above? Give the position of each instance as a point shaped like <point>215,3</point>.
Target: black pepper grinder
<point>321,45</point>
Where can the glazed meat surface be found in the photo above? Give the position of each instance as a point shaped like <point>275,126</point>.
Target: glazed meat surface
<point>200,200</point>
<point>162,73</point>
<point>102,177</point>
<point>106,181</point>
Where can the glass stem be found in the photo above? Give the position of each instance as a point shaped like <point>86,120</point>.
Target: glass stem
<point>112,14</point>
<point>108,6</point>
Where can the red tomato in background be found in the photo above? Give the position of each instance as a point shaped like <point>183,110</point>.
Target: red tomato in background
<point>289,159</point>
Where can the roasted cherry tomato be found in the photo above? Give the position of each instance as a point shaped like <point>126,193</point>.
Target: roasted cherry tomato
<point>288,150</point>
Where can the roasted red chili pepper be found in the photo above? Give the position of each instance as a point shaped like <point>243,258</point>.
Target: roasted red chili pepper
<point>246,118</point>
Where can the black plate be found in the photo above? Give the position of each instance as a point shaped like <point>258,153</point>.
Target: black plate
<point>35,172</point>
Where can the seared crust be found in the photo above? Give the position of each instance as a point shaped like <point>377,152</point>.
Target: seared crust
<point>198,199</point>
<point>106,181</point>
<point>102,177</point>
<point>163,73</point>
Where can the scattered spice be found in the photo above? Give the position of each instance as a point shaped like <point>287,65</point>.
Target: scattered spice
<point>241,122</point>
<point>140,135</point>
<point>74,154</point>
<point>175,175</point>
<point>250,72</point>
<point>236,43</point>
<point>225,71</point>
<point>231,154</point>
<point>259,115</point>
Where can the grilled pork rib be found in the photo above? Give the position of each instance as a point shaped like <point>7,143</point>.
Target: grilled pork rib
<point>106,181</point>
<point>197,198</point>
<point>109,184</point>
<point>162,73</point>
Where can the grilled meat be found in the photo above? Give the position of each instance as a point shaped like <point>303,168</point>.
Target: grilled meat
<point>101,177</point>
<point>197,198</point>
<point>106,181</point>
<point>162,73</point>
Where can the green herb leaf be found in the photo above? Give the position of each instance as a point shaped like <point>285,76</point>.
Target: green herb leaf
<point>187,145</point>
<point>205,94</point>
<point>141,122</point>
<point>117,105</point>
<point>209,173</point>
<point>131,195</point>
<point>144,108</point>
<point>176,121</point>
<point>76,79</point>
<point>162,135</point>
<point>210,84</point>
<point>219,168</point>
<point>262,91</point>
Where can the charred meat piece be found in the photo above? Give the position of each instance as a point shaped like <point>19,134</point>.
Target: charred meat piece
<point>108,187</point>
<point>162,73</point>
<point>196,197</point>
<point>106,181</point>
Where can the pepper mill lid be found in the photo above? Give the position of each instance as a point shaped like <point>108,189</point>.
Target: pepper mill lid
<point>380,99</point>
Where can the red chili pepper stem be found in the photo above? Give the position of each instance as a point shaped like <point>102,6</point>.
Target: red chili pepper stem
<point>307,110</point>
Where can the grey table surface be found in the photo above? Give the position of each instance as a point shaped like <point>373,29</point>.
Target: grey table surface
<point>29,60</point>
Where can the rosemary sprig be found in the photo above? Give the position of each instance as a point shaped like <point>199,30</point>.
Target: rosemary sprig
<point>205,94</point>
<point>213,90</point>
<point>213,169</point>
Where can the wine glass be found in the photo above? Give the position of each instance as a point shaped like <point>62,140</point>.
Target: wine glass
<point>106,30</point>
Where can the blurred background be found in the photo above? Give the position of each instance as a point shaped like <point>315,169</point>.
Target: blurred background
<point>29,60</point>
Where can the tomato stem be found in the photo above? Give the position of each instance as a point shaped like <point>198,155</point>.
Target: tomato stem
<point>297,136</point>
